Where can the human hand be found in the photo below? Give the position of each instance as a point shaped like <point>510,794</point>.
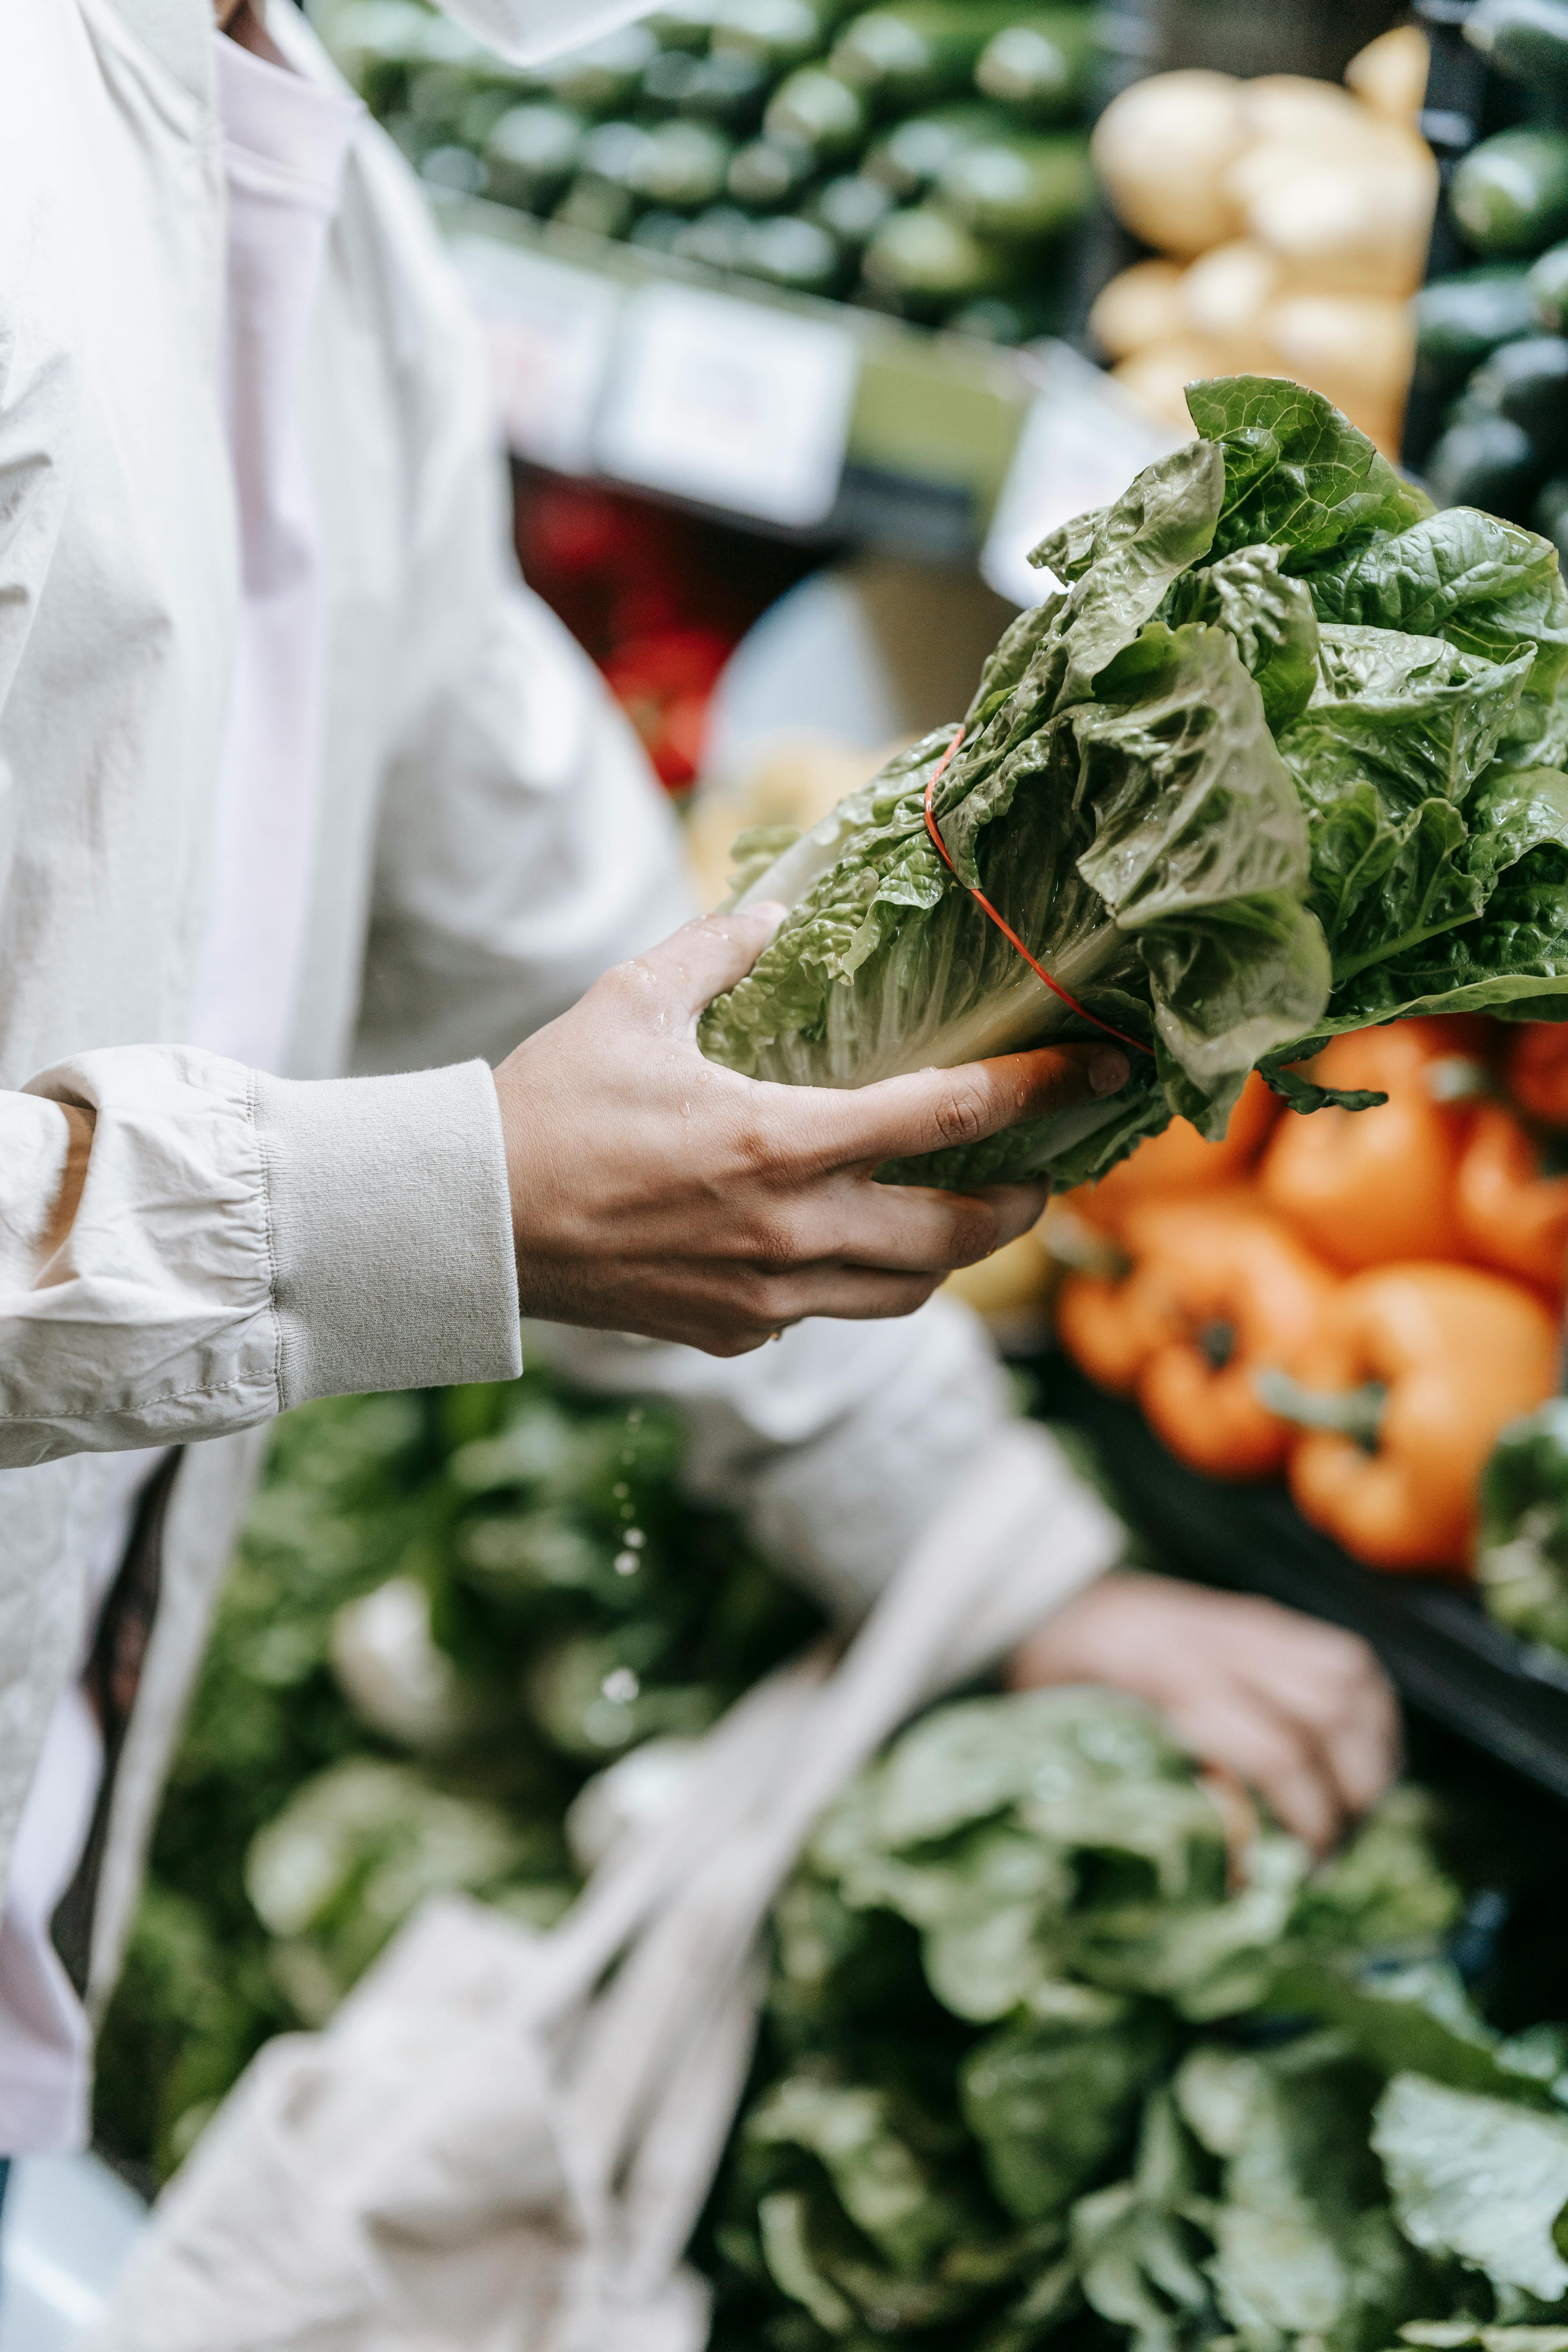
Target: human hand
<point>653,1191</point>
<point>1298,1710</point>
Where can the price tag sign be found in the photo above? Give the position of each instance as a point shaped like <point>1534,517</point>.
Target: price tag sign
<point>550,330</point>
<point>729,403</point>
<point>1083,440</point>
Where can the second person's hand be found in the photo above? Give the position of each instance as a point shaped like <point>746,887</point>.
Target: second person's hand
<point>654,1191</point>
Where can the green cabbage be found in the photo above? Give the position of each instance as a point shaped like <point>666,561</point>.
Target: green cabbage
<point>1279,758</point>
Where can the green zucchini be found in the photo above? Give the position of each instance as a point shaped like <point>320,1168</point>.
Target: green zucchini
<point>603,77</point>
<point>1485,461</point>
<point>1527,382</point>
<point>1041,66</point>
<point>1028,187</point>
<point>1549,289</point>
<point>716,237</point>
<point>658,231</point>
<point>615,152</point>
<point>378,45</point>
<point>682,25</point>
<point>767,173</point>
<point>908,158</point>
<point>819,110</point>
<point>923,262</point>
<point>531,154</point>
<point>1003,318</point>
<point>1549,515</point>
<point>729,88</point>
<point>682,167</point>
<point>919,53</point>
<point>726,88</point>
<point>850,208</point>
<point>599,206</point>
<point>796,253</point>
<point>1525,40</point>
<point>779,34</point>
<point>1459,320</point>
<point>1510,195</point>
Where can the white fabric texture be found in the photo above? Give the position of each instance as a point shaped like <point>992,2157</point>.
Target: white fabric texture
<point>494,2149</point>
<point>285,142</point>
<point>487,840</point>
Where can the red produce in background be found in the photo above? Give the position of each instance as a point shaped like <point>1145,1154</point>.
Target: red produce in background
<point>660,598</point>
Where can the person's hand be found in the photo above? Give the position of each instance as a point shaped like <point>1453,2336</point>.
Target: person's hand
<point>1298,1710</point>
<point>654,1191</point>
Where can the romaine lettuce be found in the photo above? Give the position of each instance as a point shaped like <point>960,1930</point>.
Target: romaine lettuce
<point>1277,760</point>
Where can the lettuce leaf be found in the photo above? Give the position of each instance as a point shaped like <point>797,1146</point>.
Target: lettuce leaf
<point>1485,586</point>
<point>1119,797</point>
<point>1298,475</point>
<point>1284,755</point>
<point>1479,2179</point>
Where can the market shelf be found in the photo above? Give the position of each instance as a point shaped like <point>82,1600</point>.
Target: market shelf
<point>1444,1654</point>
<point>914,458</point>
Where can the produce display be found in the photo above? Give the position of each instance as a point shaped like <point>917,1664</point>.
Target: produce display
<point>1289,221</point>
<point>923,157</point>
<point>660,598</point>
<point>447,1612</point>
<point>1362,1300</point>
<point>1059,2032</point>
<point>1277,762</point>
<point>1492,335</point>
<point>1048,2047</point>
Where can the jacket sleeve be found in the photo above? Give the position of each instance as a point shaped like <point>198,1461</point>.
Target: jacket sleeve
<point>234,1244</point>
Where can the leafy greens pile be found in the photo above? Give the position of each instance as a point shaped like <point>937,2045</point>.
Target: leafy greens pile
<point>518,1567</point>
<point>1038,2055</point>
<point>1283,756</point>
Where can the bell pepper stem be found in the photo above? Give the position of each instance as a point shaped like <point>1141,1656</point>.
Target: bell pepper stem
<point>1350,1413</point>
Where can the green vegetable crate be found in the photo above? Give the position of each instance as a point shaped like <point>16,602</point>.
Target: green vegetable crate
<point>1487,423</point>
<point>922,157</point>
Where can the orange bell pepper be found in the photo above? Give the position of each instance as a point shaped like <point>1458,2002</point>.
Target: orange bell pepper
<point>1511,1215</point>
<point>1411,1374</point>
<point>1103,1322</point>
<point>1535,1071</point>
<point>1216,1288</point>
<point>1365,1187</point>
<point>1227,1290</point>
<point>1179,1161</point>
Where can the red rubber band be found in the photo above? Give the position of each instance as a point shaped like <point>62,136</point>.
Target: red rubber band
<point>1003,925</point>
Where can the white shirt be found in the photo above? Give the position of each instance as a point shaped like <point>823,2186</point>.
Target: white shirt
<point>285,141</point>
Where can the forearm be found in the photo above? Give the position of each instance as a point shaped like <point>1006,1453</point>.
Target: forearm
<point>239,1244</point>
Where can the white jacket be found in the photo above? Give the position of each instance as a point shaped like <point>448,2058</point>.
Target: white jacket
<point>489,840</point>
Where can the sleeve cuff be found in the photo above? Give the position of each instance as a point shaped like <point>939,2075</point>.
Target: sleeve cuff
<point>390,1228</point>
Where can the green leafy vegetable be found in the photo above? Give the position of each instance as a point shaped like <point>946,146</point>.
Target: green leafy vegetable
<point>1521,1562</point>
<point>1281,758</point>
<point>1015,2063</point>
<point>1479,2178</point>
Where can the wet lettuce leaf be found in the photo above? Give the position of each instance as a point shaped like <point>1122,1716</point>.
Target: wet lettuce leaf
<point>1027,2057</point>
<point>1119,797</point>
<point>1298,475</point>
<point>1481,2179</point>
<point>1281,757</point>
<point>1485,585</point>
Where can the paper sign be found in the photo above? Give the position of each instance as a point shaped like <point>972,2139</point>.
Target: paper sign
<point>550,330</point>
<point>1083,440</point>
<point>730,403</point>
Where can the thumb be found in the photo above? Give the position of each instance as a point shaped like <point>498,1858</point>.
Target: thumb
<point>703,959</point>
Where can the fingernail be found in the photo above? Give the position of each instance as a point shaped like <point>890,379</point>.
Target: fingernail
<point>771,912</point>
<point>1107,1070</point>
